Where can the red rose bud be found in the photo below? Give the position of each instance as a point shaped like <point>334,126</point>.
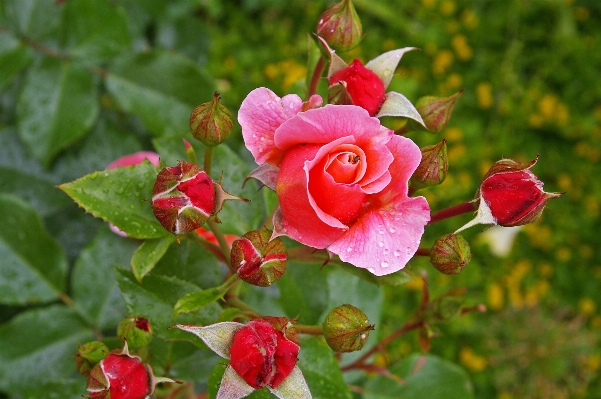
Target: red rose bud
<point>137,331</point>
<point>364,86</point>
<point>433,168</point>
<point>257,260</point>
<point>340,26</point>
<point>183,198</point>
<point>450,254</point>
<point>262,355</point>
<point>211,123</point>
<point>513,194</point>
<point>346,329</point>
<point>122,376</point>
<point>435,111</point>
<point>88,355</point>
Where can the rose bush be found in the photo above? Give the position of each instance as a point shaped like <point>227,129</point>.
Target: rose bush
<point>342,179</point>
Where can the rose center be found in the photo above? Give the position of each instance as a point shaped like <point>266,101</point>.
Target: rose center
<point>346,164</point>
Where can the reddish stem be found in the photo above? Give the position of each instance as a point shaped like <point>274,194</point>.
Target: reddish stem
<point>455,210</point>
<point>423,252</point>
<point>316,76</point>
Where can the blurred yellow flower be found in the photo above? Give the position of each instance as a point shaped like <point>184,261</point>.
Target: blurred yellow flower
<point>471,360</point>
<point>495,296</point>
<point>442,61</point>
<point>581,14</point>
<point>563,254</point>
<point>470,19</point>
<point>484,95</point>
<point>447,7</point>
<point>586,306</point>
<point>428,3</point>
<point>463,50</point>
<point>453,134</point>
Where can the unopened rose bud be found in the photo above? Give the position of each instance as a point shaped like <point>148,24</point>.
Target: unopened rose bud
<point>88,355</point>
<point>365,88</point>
<point>183,198</point>
<point>514,196</point>
<point>122,376</point>
<point>340,26</point>
<point>257,260</point>
<point>211,122</point>
<point>137,331</point>
<point>435,111</point>
<point>450,254</point>
<point>433,167</point>
<point>346,328</point>
<point>262,355</point>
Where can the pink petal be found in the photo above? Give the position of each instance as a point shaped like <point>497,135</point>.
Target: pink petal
<point>388,234</point>
<point>135,159</point>
<point>233,386</point>
<point>260,114</point>
<point>383,241</point>
<point>326,124</point>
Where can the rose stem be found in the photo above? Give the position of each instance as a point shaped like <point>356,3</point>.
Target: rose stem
<point>310,330</point>
<point>423,252</point>
<point>409,326</point>
<point>454,210</point>
<point>316,76</point>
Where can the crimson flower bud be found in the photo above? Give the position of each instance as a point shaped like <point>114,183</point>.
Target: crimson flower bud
<point>365,88</point>
<point>262,355</point>
<point>211,122</point>
<point>137,331</point>
<point>183,198</point>
<point>346,328</point>
<point>450,254</point>
<point>257,260</point>
<point>122,376</point>
<point>88,355</point>
<point>433,168</point>
<point>436,111</point>
<point>340,26</point>
<point>513,193</point>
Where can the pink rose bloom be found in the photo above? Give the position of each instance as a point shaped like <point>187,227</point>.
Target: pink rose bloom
<point>340,176</point>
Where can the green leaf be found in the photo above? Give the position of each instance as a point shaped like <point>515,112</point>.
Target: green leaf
<point>14,56</point>
<point>155,300</point>
<point>34,18</point>
<point>94,30</point>
<point>56,106</point>
<point>148,254</point>
<point>321,370</point>
<point>304,291</point>
<point>215,381</point>
<point>33,267</point>
<point>184,360</point>
<point>120,196</point>
<point>22,176</point>
<point>425,377</point>
<point>64,389</point>
<point>140,86</point>
<point>394,280</point>
<point>95,290</point>
<point>38,346</point>
<point>198,300</point>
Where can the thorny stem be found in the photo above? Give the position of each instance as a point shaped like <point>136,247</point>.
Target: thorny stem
<point>236,302</point>
<point>316,76</point>
<point>223,245</point>
<point>455,210</point>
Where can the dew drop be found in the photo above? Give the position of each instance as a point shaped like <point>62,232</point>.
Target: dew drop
<point>384,264</point>
<point>349,249</point>
<point>392,229</point>
<point>386,250</point>
<point>381,231</point>
<point>397,253</point>
<point>380,244</point>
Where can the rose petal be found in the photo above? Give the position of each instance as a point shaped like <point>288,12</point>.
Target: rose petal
<point>299,217</point>
<point>134,159</point>
<point>293,387</point>
<point>326,124</point>
<point>218,337</point>
<point>233,386</point>
<point>261,113</point>
<point>388,234</point>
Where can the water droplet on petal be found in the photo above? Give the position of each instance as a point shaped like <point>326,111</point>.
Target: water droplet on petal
<point>392,229</point>
<point>397,253</point>
<point>381,244</point>
<point>349,249</point>
<point>384,264</point>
